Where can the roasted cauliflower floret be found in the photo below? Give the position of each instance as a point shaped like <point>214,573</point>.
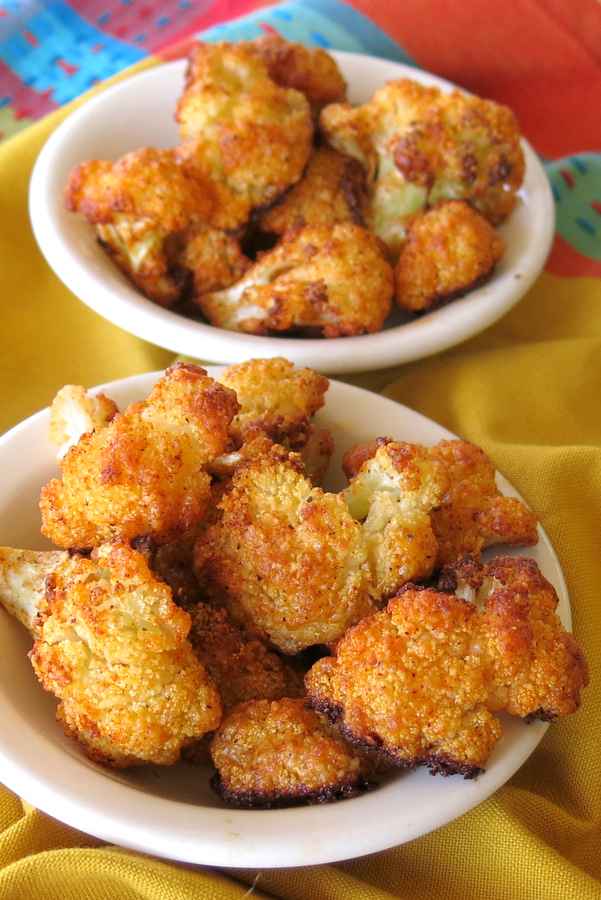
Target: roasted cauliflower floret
<point>420,145</point>
<point>393,495</point>
<point>144,472</point>
<point>143,207</point>
<point>276,398</point>
<point>420,681</point>
<point>250,137</point>
<point>320,280</point>
<point>474,514</point>
<point>538,669</point>
<point>286,559</point>
<point>309,70</point>
<point>332,190</point>
<point>279,753</point>
<point>111,645</point>
<point>241,667</point>
<point>213,258</point>
<point>75,412</point>
<point>449,250</point>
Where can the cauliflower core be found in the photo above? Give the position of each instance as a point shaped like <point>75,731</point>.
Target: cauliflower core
<point>111,646</point>
<point>279,753</point>
<point>328,281</point>
<point>144,472</point>
<point>420,145</point>
<point>420,681</point>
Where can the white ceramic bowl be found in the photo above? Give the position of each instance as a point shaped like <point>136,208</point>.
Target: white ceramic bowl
<point>139,112</point>
<point>172,812</point>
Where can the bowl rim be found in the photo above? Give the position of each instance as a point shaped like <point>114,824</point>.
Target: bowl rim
<point>128,309</point>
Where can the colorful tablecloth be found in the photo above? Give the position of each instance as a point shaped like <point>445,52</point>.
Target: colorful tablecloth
<point>526,389</point>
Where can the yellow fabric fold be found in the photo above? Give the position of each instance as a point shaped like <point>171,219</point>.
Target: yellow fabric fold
<point>528,391</point>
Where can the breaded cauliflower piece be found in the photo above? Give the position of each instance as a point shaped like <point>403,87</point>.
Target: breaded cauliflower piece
<point>213,258</point>
<point>23,575</point>
<point>474,514</point>
<point>250,137</point>
<point>420,145</point>
<point>143,206</point>
<point>241,667</point>
<point>75,412</point>
<point>538,669</point>
<point>332,190</point>
<point>320,280</point>
<point>279,753</point>
<point>111,645</point>
<point>144,473</point>
<point>392,495</point>
<point>420,681</point>
<point>287,560</point>
<point>309,70</point>
<point>276,398</point>
<point>450,249</point>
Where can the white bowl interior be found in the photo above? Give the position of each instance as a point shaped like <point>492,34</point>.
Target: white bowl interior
<point>139,112</point>
<point>171,812</point>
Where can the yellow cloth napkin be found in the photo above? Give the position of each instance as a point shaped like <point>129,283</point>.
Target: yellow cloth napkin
<point>527,390</point>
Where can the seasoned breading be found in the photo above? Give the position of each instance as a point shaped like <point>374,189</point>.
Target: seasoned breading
<point>143,205</point>
<point>250,137</point>
<point>392,495</point>
<point>320,280</point>
<point>420,145</point>
<point>333,189</point>
<point>144,473</point>
<point>213,258</point>
<point>279,753</point>
<point>75,412</point>
<point>241,667</point>
<point>315,452</point>
<point>286,559</point>
<point>309,70</point>
<point>420,681</point>
<point>449,250</point>
<point>111,646</point>
<point>474,514</point>
<point>276,398</point>
<point>538,668</point>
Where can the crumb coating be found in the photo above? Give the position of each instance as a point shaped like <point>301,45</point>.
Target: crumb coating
<point>420,145</point>
<point>112,648</point>
<point>420,681</point>
<point>279,753</point>
<point>449,250</point>
<point>286,559</point>
<point>144,472</point>
<point>333,282</point>
<point>250,137</point>
<point>333,189</point>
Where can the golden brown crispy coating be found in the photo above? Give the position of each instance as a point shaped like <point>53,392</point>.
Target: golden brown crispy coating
<point>419,681</point>
<point>538,668</point>
<point>144,473</point>
<point>420,145</point>
<point>142,206</point>
<point>330,281</point>
<point>474,514</point>
<point>449,250</point>
<point>112,648</point>
<point>279,753</point>
<point>311,71</point>
<point>214,259</point>
<point>75,412</point>
<point>286,559</point>
<point>406,683</point>
<point>392,495</point>
<point>249,136</point>
<point>315,452</point>
<point>241,667</point>
<point>333,189</point>
<point>276,398</point>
